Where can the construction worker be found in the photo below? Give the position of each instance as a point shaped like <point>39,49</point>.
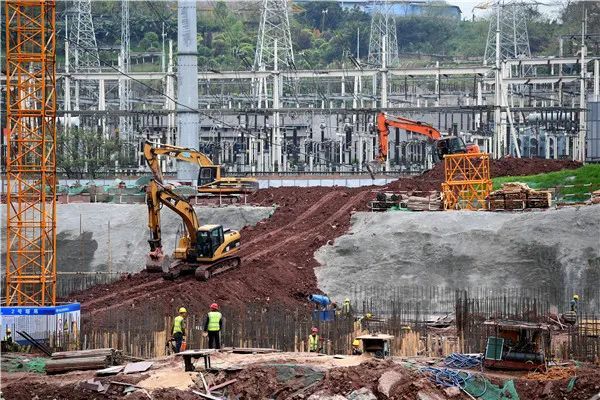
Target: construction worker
<point>346,307</point>
<point>356,348</point>
<point>575,303</point>
<point>314,340</point>
<point>7,343</point>
<point>179,329</point>
<point>213,325</point>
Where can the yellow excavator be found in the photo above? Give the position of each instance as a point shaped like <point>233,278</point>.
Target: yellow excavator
<point>204,250</point>
<point>210,180</point>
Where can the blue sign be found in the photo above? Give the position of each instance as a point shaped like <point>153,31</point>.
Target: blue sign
<point>28,311</point>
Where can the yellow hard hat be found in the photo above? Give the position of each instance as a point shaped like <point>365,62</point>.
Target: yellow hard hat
<point>8,330</point>
<point>356,343</point>
<point>369,315</point>
<point>346,300</point>
<point>182,310</point>
<point>576,297</point>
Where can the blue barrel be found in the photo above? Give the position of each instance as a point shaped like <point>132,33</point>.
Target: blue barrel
<point>319,299</point>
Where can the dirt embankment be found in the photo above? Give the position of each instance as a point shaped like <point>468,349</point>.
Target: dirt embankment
<point>277,254</point>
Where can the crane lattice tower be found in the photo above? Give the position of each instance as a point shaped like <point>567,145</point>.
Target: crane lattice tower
<point>30,152</point>
<point>383,25</point>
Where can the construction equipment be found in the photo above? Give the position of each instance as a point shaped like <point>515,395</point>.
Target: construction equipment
<point>204,250</point>
<point>210,180</point>
<point>443,146</point>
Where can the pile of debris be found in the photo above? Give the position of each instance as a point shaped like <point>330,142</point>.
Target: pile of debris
<point>518,196</point>
<point>407,200</point>
<point>66,361</point>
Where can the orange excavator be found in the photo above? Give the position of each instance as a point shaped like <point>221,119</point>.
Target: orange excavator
<point>443,146</point>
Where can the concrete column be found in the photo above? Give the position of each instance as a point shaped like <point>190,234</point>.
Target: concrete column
<point>596,80</point>
<point>102,106</point>
<point>187,85</point>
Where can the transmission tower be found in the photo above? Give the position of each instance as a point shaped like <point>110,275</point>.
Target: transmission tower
<point>510,19</point>
<point>274,26</point>
<point>30,152</point>
<point>383,30</point>
<point>85,50</point>
<point>125,129</point>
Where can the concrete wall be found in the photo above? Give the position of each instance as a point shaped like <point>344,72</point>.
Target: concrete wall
<point>85,242</point>
<point>552,249</point>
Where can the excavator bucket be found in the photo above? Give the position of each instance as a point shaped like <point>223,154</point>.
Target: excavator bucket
<point>157,262</point>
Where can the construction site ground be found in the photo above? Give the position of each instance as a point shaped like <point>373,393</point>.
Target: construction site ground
<point>295,376</point>
<point>278,252</point>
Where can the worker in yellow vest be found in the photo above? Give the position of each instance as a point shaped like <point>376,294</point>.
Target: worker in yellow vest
<point>213,325</point>
<point>179,329</point>
<point>346,307</point>
<point>314,341</point>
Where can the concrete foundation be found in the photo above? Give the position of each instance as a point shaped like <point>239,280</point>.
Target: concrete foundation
<point>554,249</point>
<point>113,237</point>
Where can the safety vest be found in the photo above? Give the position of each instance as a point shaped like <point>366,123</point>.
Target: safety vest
<point>178,324</point>
<point>313,342</point>
<point>346,308</point>
<point>214,319</point>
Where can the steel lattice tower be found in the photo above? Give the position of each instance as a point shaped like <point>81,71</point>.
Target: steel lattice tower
<point>31,152</point>
<point>509,18</point>
<point>274,26</point>
<point>125,129</point>
<point>383,25</point>
<point>85,50</point>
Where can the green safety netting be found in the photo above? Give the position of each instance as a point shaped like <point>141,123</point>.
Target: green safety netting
<point>22,364</point>
<point>481,388</point>
<point>143,180</point>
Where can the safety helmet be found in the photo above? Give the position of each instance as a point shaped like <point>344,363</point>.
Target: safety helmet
<point>369,315</point>
<point>182,310</point>
<point>576,296</point>
<point>8,330</point>
<point>356,343</point>
<point>346,300</point>
<point>214,306</point>
<point>314,329</point>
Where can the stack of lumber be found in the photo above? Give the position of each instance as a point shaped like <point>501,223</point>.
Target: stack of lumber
<point>595,198</point>
<point>430,202</point>
<point>65,361</point>
<point>518,196</point>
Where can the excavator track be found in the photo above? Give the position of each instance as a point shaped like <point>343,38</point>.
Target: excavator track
<point>205,271</point>
<point>202,272</point>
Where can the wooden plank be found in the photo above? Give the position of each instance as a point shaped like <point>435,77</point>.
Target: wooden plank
<point>222,385</point>
<point>75,364</point>
<point>83,353</point>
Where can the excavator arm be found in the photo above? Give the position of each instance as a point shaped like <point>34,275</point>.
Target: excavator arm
<point>159,195</point>
<point>384,121</point>
<point>151,154</point>
<point>211,182</point>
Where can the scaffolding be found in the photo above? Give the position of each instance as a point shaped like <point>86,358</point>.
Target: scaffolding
<point>31,152</point>
<point>467,181</point>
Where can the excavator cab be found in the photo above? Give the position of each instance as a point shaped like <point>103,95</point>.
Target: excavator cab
<point>450,145</point>
<point>208,175</point>
<point>209,238</point>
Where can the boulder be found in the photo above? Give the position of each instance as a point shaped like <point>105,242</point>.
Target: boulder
<point>387,381</point>
<point>362,394</point>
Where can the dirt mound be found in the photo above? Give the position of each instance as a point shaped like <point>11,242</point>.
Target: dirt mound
<point>277,253</point>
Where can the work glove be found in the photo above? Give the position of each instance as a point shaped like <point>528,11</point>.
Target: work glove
<point>204,334</point>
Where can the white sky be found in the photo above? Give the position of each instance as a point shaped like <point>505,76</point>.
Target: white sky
<point>466,6</point>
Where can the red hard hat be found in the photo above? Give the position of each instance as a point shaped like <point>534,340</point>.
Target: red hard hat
<point>214,306</point>
<point>314,329</point>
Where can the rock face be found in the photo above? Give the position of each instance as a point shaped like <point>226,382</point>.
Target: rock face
<point>556,249</point>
